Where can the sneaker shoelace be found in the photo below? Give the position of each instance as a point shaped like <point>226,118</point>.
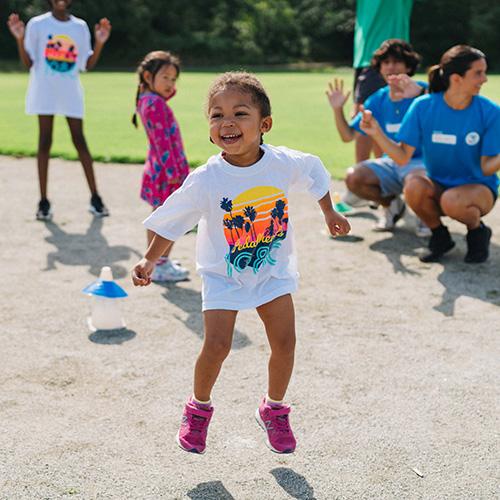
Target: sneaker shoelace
<point>282,424</point>
<point>197,423</point>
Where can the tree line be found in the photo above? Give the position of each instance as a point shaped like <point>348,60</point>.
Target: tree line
<point>262,32</point>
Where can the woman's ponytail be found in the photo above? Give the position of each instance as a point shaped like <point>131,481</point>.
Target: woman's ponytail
<point>437,82</point>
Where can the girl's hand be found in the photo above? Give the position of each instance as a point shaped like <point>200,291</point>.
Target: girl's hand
<point>141,274</point>
<point>369,124</point>
<point>403,87</point>
<point>16,26</point>
<point>335,94</point>
<point>102,30</point>
<point>337,224</point>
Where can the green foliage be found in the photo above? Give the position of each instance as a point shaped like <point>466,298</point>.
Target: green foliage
<point>244,32</point>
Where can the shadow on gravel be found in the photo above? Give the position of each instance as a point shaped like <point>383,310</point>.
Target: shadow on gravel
<point>189,301</point>
<point>89,249</point>
<point>212,490</point>
<point>294,484</point>
<point>478,281</point>
<point>399,243</point>
<point>112,337</point>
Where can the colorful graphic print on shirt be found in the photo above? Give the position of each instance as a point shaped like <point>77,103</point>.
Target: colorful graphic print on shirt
<point>61,53</point>
<point>254,223</point>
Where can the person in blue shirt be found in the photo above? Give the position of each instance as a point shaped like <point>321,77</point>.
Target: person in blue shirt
<point>459,133</point>
<point>381,180</point>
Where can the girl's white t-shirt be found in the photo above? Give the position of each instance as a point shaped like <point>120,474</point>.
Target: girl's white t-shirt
<point>59,51</point>
<point>245,252</point>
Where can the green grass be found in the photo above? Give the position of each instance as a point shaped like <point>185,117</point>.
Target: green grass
<point>302,117</point>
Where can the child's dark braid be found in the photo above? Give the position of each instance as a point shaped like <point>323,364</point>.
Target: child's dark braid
<point>152,63</point>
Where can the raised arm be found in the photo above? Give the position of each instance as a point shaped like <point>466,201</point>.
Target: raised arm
<point>337,100</point>
<point>490,164</point>
<point>401,153</point>
<point>17,29</point>
<point>102,31</point>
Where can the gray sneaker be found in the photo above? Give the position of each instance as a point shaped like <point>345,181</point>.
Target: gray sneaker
<point>354,200</point>
<point>169,271</point>
<point>391,215</point>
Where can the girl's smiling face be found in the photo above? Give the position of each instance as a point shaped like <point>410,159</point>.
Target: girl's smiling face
<point>163,83</point>
<point>236,126</point>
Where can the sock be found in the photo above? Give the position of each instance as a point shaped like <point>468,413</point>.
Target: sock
<point>439,229</point>
<point>478,228</point>
<point>203,405</point>
<point>273,403</point>
<point>162,260</point>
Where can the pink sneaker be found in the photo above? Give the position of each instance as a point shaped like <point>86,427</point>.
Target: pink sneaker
<point>274,421</point>
<point>192,435</point>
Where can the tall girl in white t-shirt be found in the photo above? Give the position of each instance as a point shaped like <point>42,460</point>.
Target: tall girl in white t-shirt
<point>56,46</point>
<point>245,252</point>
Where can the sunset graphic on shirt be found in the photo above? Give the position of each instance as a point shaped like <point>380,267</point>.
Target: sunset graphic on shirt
<point>61,53</point>
<point>254,224</point>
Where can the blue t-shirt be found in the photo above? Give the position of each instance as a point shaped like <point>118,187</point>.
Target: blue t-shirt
<point>453,141</point>
<point>389,114</point>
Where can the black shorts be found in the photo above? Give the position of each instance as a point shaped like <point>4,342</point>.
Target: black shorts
<point>444,187</point>
<point>366,82</point>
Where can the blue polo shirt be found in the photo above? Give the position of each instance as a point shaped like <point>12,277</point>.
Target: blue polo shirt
<point>389,114</point>
<point>453,141</point>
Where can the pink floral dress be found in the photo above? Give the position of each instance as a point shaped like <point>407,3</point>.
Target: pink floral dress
<point>166,166</point>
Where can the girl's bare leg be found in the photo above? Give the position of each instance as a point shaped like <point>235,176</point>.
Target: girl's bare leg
<point>76,130</point>
<point>278,317</point>
<point>45,128</point>
<point>219,327</point>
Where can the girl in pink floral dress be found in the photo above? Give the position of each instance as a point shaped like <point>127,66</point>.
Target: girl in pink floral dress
<point>166,166</point>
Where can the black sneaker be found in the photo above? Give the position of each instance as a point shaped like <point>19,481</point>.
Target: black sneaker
<point>44,212</point>
<point>478,244</point>
<point>439,244</point>
<point>97,207</point>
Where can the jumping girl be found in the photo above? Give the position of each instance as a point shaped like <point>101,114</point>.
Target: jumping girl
<point>55,47</point>
<point>245,251</point>
<point>166,166</point>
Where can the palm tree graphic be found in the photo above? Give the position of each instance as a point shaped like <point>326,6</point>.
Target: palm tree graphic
<point>229,224</point>
<point>251,213</point>
<point>227,205</point>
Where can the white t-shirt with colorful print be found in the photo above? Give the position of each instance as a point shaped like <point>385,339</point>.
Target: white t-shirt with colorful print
<point>59,51</point>
<point>245,252</point>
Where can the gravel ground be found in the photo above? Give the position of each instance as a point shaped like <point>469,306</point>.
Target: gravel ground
<point>395,391</point>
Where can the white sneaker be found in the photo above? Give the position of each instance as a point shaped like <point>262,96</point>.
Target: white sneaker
<point>422,231</point>
<point>392,214</point>
<point>354,200</point>
<point>169,271</point>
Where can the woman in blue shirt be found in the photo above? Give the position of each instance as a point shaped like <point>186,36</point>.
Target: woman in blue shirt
<point>459,133</point>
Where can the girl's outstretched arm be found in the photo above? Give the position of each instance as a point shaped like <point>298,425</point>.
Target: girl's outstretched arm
<point>102,31</point>
<point>17,29</point>
<point>337,224</point>
<point>401,153</point>
<point>141,273</point>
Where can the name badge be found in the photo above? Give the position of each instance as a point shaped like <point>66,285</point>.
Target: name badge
<point>440,138</point>
<point>393,128</point>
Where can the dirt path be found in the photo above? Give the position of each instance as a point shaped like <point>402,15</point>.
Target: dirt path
<point>396,371</point>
